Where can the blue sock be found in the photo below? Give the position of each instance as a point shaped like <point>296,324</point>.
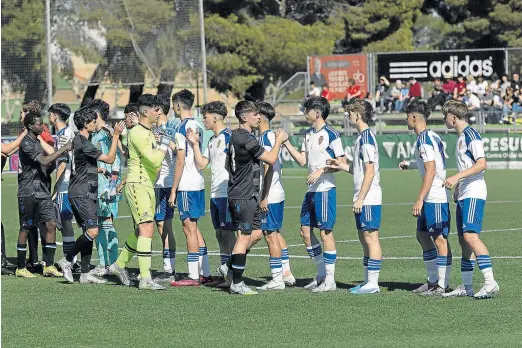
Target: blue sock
<point>112,245</point>
<point>466,272</point>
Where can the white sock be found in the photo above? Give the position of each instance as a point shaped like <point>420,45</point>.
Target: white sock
<point>203,262</point>
<point>193,265</point>
<point>330,257</point>
<point>466,272</point>
<point>467,279</point>
<point>488,276</point>
<point>285,258</point>
<point>365,268</point>
<point>374,269</point>
<point>430,261</point>
<point>316,254</point>
<point>169,261</point>
<point>276,268</point>
<point>484,263</point>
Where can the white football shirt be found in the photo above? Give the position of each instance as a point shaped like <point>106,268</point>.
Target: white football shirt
<point>216,152</point>
<point>429,148</point>
<point>165,177</point>
<point>276,194</point>
<point>191,178</point>
<point>468,150</point>
<point>366,151</point>
<point>319,146</point>
<point>63,137</point>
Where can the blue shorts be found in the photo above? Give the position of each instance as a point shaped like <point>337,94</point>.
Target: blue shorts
<point>369,219</point>
<point>163,210</point>
<point>191,204</point>
<point>470,212</point>
<point>220,214</point>
<point>273,220</point>
<point>434,219</point>
<point>319,210</point>
<point>64,206</point>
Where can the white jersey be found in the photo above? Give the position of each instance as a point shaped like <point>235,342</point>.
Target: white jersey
<point>165,177</point>
<point>276,194</point>
<point>319,146</point>
<point>429,148</point>
<point>191,178</point>
<point>469,149</point>
<point>366,151</point>
<point>216,152</point>
<point>63,137</point>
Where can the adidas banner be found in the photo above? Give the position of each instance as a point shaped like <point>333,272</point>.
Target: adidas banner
<point>427,66</point>
<point>503,150</point>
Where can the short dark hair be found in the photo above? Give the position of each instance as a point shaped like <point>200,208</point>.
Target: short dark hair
<point>185,98</point>
<point>266,109</point>
<point>312,83</point>
<point>164,103</point>
<point>84,115</point>
<point>30,118</point>
<point>352,81</point>
<point>131,107</point>
<point>319,104</point>
<point>33,105</point>
<point>418,107</point>
<point>63,111</point>
<point>215,107</point>
<point>457,108</point>
<point>100,107</point>
<point>243,107</point>
<point>362,107</point>
<point>411,78</point>
<point>147,100</point>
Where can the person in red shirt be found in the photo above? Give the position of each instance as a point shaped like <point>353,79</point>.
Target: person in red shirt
<point>460,88</point>
<point>353,90</point>
<point>449,86</point>
<point>415,89</point>
<point>326,93</point>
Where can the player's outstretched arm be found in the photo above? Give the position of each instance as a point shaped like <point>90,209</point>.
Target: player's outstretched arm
<point>299,157</point>
<point>47,160</point>
<point>111,156</point>
<point>270,157</point>
<point>405,165</point>
<point>338,164</point>
<point>199,159</point>
<point>48,149</point>
<point>12,146</point>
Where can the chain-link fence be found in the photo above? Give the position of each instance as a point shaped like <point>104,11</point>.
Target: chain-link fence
<point>113,50</point>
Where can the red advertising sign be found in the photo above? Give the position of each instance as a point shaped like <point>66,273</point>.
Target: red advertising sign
<point>337,71</point>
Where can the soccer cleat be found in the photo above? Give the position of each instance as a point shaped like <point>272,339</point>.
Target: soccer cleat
<point>66,267</point>
<point>90,278</point>
<point>487,291</point>
<point>436,291</point>
<point>99,271</point>
<point>185,282</point>
<point>272,285</point>
<point>24,273</point>
<point>460,291</point>
<point>77,267</point>
<point>51,271</point>
<point>366,289</point>
<point>149,284</point>
<point>324,287</point>
<point>425,287</point>
<point>121,273</point>
<point>165,277</point>
<point>6,271</point>
<point>356,288</point>
<point>314,284</point>
<point>222,270</point>
<point>241,289</point>
<point>34,267</point>
<point>289,280</point>
<point>209,281</point>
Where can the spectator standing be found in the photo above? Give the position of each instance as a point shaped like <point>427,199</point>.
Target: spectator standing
<point>383,95</point>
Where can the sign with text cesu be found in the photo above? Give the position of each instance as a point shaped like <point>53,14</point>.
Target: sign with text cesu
<point>426,66</point>
<point>337,70</point>
<point>503,150</point>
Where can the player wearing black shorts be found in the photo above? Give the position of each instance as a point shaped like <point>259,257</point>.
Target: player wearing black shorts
<point>34,195</point>
<point>83,191</point>
<point>243,164</point>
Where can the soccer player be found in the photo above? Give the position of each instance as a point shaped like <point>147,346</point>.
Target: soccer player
<point>164,212</point>
<point>83,191</point>
<point>215,154</point>
<point>58,115</point>
<point>470,194</point>
<point>319,208</point>
<point>272,206</point>
<point>431,207</point>
<point>244,157</point>
<point>34,195</point>
<point>188,190</point>
<point>367,194</point>
<point>145,159</point>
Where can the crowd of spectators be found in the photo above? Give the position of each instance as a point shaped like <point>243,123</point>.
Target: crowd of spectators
<point>499,98</point>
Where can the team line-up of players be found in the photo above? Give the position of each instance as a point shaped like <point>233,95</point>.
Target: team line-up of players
<point>165,163</point>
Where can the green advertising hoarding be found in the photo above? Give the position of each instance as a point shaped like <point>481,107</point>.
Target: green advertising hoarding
<point>503,150</point>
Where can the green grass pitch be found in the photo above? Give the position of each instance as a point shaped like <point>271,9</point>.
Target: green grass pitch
<point>49,313</point>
